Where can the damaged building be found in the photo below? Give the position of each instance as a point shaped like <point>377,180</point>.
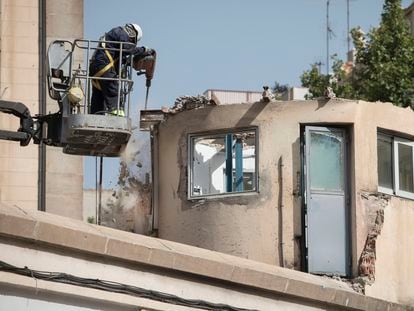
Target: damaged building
<point>254,204</point>
<point>323,186</point>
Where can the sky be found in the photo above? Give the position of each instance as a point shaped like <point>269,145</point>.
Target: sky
<point>225,44</point>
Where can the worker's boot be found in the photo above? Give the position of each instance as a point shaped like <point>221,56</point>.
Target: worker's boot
<point>118,112</point>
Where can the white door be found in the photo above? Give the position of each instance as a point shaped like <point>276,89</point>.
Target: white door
<point>326,208</point>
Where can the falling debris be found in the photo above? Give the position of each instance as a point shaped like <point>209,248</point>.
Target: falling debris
<point>129,207</point>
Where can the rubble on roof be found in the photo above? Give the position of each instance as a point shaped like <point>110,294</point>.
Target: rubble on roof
<point>188,103</point>
<point>267,95</point>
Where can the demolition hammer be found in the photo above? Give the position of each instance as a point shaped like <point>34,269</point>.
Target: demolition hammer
<point>146,65</point>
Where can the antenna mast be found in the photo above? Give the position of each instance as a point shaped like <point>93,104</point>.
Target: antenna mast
<point>328,30</point>
<point>347,21</point>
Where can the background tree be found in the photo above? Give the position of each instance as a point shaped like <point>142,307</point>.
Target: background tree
<point>383,69</point>
<point>341,80</point>
<point>315,81</point>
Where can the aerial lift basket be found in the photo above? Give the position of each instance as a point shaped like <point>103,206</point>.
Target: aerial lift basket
<point>69,83</point>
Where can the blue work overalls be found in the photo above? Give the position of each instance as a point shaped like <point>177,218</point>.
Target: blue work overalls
<point>104,63</point>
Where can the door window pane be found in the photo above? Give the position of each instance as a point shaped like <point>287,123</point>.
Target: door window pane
<point>384,148</point>
<point>405,167</point>
<point>327,166</point>
<point>223,163</point>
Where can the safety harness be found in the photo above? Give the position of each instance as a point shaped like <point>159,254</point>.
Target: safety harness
<point>111,63</point>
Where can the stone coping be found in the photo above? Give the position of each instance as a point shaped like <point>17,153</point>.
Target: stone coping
<point>65,233</point>
<point>10,282</point>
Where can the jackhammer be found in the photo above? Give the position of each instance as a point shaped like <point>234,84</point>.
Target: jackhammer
<point>145,65</point>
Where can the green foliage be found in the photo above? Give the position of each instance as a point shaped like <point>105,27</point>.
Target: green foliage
<point>385,63</point>
<point>383,68</point>
<point>91,219</point>
<point>315,81</point>
<point>340,81</point>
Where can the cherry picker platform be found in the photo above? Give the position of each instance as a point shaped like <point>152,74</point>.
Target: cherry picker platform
<point>73,127</point>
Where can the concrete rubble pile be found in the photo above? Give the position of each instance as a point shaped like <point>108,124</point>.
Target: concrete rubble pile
<point>188,103</point>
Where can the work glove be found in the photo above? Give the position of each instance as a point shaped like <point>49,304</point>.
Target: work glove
<point>143,53</point>
<point>148,51</point>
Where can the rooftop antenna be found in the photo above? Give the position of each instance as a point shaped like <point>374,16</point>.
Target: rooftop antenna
<point>329,34</point>
<point>348,30</point>
<point>319,65</point>
<point>327,37</point>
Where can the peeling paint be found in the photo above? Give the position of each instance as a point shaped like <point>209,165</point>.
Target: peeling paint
<point>377,202</point>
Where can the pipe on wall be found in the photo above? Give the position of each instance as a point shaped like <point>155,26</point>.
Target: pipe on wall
<point>41,197</point>
<point>280,214</point>
<point>155,179</point>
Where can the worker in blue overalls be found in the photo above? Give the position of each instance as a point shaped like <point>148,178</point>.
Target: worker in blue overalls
<point>104,63</point>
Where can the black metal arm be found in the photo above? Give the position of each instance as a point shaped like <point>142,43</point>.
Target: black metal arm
<point>26,130</point>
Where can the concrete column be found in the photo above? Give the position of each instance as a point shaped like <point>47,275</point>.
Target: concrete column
<point>18,82</point>
<point>64,173</point>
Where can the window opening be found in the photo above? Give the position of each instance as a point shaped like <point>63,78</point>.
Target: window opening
<point>385,164</point>
<point>222,163</point>
<point>395,165</point>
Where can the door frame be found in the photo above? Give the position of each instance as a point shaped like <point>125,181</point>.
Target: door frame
<point>347,189</point>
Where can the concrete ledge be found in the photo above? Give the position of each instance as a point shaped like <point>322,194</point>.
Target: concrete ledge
<point>98,298</point>
<point>69,234</point>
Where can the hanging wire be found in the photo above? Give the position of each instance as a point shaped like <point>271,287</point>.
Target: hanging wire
<point>117,288</point>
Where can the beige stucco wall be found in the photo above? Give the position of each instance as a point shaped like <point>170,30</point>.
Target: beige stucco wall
<point>19,81</point>
<point>395,254</point>
<point>394,270</point>
<point>248,225</point>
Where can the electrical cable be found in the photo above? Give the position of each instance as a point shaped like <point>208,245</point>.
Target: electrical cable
<point>116,287</point>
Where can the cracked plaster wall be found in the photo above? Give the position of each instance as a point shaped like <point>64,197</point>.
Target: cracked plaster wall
<point>250,226</point>
<point>394,269</point>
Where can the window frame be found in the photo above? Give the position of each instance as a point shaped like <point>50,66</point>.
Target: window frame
<point>390,139</point>
<point>217,134</point>
<point>395,141</point>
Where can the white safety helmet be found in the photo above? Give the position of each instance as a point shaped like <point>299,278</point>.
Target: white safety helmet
<point>134,30</point>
